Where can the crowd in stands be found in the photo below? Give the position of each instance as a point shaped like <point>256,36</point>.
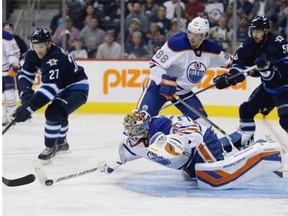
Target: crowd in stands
<point>93,26</point>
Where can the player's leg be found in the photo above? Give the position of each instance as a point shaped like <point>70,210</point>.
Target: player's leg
<point>56,125</point>
<point>150,100</point>
<point>193,102</point>
<point>281,102</point>
<point>259,102</point>
<point>9,98</point>
<point>210,151</point>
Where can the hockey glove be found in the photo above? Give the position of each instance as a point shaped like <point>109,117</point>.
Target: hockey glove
<point>24,112</point>
<point>26,94</point>
<point>13,71</point>
<point>168,86</point>
<point>222,81</point>
<point>262,62</point>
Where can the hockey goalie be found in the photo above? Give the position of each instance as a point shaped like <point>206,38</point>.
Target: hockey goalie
<point>183,144</point>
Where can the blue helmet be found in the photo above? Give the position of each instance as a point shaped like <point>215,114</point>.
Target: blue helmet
<point>260,22</point>
<point>40,35</point>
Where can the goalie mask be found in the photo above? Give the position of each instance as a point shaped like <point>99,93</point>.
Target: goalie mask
<point>136,124</point>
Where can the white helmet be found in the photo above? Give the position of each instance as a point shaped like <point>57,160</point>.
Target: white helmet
<point>199,26</point>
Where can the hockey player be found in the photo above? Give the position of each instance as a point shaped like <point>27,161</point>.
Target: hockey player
<point>270,54</point>
<point>64,83</point>
<point>178,66</point>
<point>10,66</point>
<point>181,143</point>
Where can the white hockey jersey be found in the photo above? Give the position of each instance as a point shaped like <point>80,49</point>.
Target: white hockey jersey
<point>10,52</point>
<point>181,125</point>
<point>178,59</point>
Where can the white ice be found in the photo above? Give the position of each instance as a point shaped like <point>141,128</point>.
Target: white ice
<point>101,194</point>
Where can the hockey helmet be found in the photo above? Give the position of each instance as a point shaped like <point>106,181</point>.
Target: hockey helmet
<point>136,124</point>
<point>260,22</point>
<point>40,35</point>
<point>198,25</point>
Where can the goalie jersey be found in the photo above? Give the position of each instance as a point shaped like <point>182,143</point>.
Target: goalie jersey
<point>178,59</point>
<point>199,144</point>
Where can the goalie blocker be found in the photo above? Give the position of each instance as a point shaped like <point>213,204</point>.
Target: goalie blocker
<point>240,167</point>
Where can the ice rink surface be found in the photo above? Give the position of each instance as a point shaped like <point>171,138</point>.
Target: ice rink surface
<point>137,188</point>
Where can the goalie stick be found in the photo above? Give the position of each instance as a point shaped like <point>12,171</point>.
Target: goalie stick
<point>19,181</point>
<point>42,178</point>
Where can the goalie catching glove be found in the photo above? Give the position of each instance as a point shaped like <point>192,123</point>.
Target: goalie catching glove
<point>168,86</point>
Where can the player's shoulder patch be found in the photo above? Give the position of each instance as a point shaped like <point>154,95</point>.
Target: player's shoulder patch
<point>179,42</point>
<point>209,46</point>
<point>7,35</point>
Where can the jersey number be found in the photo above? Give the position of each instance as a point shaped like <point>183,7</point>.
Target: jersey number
<point>54,74</point>
<point>160,55</point>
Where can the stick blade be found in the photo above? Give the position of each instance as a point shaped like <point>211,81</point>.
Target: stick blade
<point>19,181</point>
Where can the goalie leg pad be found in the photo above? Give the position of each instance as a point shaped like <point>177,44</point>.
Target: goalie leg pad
<point>240,167</point>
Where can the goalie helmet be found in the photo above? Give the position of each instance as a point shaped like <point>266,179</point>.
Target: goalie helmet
<point>198,26</point>
<point>40,35</point>
<point>136,124</point>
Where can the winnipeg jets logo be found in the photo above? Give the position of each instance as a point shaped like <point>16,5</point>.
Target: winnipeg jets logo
<point>267,75</point>
<point>195,72</point>
<point>52,62</point>
<point>279,38</point>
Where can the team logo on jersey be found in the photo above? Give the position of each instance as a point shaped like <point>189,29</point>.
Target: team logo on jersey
<point>279,38</point>
<point>52,62</point>
<point>195,72</point>
<point>158,159</point>
<point>267,75</point>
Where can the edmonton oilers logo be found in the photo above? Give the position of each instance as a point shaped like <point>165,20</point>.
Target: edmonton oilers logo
<point>195,72</point>
<point>158,159</point>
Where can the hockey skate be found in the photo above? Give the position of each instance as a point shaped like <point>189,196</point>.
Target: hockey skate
<point>48,153</point>
<point>63,146</point>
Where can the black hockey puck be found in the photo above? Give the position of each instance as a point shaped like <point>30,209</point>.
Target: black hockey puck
<point>49,182</point>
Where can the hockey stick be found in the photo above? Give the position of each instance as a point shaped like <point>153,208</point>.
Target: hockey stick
<point>8,126</point>
<point>205,119</point>
<point>19,181</point>
<point>42,178</point>
<point>210,86</point>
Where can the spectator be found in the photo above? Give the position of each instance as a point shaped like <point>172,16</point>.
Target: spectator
<point>149,8</point>
<point>137,49</point>
<point>170,7</point>
<point>194,8</point>
<point>242,30</point>
<point>70,33</point>
<point>112,16</point>
<point>92,36</point>
<point>109,49</point>
<point>154,38</point>
<point>244,7</point>
<point>214,9</point>
<point>263,8</point>
<point>79,52</point>
<point>134,26</point>
<point>182,20</point>
<point>282,14</point>
<point>89,13</point>
<point>136,13</point>
<point>174,29</point>
<point>222,34</point>
<point>163,23</point>
<point>57,19</point>
<point>229,14</point>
